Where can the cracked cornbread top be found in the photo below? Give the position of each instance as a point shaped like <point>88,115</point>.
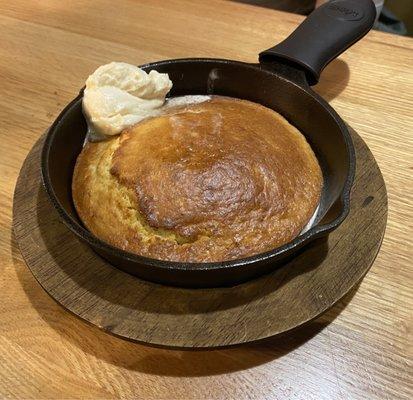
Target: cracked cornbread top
<point>213,181</point>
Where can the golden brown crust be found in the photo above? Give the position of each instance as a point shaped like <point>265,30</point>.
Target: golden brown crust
<point>214,181</point>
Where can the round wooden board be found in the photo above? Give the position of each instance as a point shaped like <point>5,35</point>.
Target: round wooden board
<point>141,311</point>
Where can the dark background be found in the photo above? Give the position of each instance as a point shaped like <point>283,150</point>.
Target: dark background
<point>402,10</point>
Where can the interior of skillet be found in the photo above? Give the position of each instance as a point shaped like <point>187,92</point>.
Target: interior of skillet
<point>296,102</point>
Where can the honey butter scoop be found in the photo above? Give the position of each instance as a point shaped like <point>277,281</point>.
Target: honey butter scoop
<point>118,95</point>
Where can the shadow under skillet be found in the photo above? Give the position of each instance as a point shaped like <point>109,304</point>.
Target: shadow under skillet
<point>333,80</point>
<point>174,300</point>
<point>161,361</point>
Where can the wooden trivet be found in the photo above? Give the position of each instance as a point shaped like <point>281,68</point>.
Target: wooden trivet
<point>121,304</point>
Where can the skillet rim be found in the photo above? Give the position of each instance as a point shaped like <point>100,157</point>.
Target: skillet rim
<point>301,240</point>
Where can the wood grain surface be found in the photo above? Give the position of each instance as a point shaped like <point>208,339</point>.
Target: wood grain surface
<point>360,349</point>
<point>136,310</point>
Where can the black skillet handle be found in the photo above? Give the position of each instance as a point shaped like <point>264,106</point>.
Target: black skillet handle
<point>324,34</point>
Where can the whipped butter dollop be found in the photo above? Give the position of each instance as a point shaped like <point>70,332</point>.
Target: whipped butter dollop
<point>119,95</point>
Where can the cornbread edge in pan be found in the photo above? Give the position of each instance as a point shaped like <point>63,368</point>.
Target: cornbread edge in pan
<point>218,180</point>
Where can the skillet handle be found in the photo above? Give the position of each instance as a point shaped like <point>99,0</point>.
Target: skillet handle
<point>323,35</point>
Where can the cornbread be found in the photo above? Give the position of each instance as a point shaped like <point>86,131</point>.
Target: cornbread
<point>211,181</point>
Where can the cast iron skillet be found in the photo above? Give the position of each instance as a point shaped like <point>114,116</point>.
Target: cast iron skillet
<point>280,81</point>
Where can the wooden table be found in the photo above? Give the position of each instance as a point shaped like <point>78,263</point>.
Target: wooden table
<point>361,349</point>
